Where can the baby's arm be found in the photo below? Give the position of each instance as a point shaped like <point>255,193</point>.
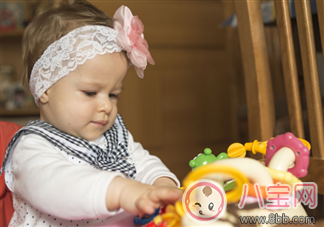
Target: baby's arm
<point>45,179</point>
<point>138,198</point>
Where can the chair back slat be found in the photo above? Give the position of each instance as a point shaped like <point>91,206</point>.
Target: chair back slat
<point>259,94</point>
<point>289,67</point>
<point>320,13</point>
<point>258,80</point>
<point>310,73</point>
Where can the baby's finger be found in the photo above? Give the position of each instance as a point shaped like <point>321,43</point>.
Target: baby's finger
<point>165,195</point>
<point>146,206</point>
<point>141,214</point>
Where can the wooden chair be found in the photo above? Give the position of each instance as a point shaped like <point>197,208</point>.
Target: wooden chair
<point>259,94</point>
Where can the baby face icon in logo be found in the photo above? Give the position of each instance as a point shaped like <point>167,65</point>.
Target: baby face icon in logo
<point>204,201</point>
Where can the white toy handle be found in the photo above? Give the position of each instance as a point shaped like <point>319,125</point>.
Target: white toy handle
<point>283,159</point>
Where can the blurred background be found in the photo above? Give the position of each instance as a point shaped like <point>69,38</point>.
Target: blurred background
<point>191,99</point>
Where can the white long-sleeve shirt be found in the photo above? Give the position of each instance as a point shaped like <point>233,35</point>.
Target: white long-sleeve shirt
<point>51,188</point>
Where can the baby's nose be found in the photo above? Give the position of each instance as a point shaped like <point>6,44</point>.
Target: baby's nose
<point>105,106</point>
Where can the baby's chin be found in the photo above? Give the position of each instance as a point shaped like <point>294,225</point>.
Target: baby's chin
<point>91,138</point>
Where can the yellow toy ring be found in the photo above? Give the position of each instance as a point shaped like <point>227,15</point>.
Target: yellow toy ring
<point>179,209</point>
<point>213,168</point>
<point>172,217</point>
<point>283,177</point>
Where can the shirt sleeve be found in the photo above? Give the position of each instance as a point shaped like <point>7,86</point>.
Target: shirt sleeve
<point>44,178</point>
<point>148,167</point>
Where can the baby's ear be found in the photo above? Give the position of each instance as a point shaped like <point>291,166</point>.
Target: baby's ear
<point>45,97</point>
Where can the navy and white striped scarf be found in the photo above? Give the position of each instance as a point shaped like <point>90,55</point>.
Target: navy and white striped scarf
<point>113,158</point>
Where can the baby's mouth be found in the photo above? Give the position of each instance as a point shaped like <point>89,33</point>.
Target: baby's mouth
<point>100,123</point>
<point>200,212</point>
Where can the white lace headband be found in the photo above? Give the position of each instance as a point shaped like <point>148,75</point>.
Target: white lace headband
<point>84,43</point>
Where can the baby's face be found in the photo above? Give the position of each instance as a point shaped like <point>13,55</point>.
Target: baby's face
<point>84,103</point>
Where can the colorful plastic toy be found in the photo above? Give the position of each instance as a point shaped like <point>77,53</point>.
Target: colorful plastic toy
<point>283,143</point>
<point>171,217</point>
<point>289,153</point>
<point>295,145</point>
<point>239,177</point>
<point>207,157</point>
<point>147,218</point>
<point>237,150</point>
<point>156,222</point>
<point>287,158</point>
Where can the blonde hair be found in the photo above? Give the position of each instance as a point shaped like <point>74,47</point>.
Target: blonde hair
<point>44,29</point>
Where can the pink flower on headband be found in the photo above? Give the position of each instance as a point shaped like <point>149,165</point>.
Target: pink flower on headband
<point>130,37</point>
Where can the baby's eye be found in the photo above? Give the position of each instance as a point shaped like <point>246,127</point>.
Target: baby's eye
<point>210,206</point>
<point>90,93</point>
<point>198,204</point>
<point>113,96</point>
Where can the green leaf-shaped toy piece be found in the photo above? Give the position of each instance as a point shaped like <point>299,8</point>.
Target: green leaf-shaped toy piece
<point>202,159</point>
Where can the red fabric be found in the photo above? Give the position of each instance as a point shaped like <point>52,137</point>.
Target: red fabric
<point>7,130</point>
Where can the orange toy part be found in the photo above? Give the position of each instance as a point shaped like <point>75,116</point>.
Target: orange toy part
<point>252,192</point>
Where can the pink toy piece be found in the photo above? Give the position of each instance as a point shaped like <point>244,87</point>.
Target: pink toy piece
<point>301,152</point>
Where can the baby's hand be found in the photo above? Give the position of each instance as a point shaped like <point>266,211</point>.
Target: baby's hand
<point>164,181</point>
<point>138,198</point>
